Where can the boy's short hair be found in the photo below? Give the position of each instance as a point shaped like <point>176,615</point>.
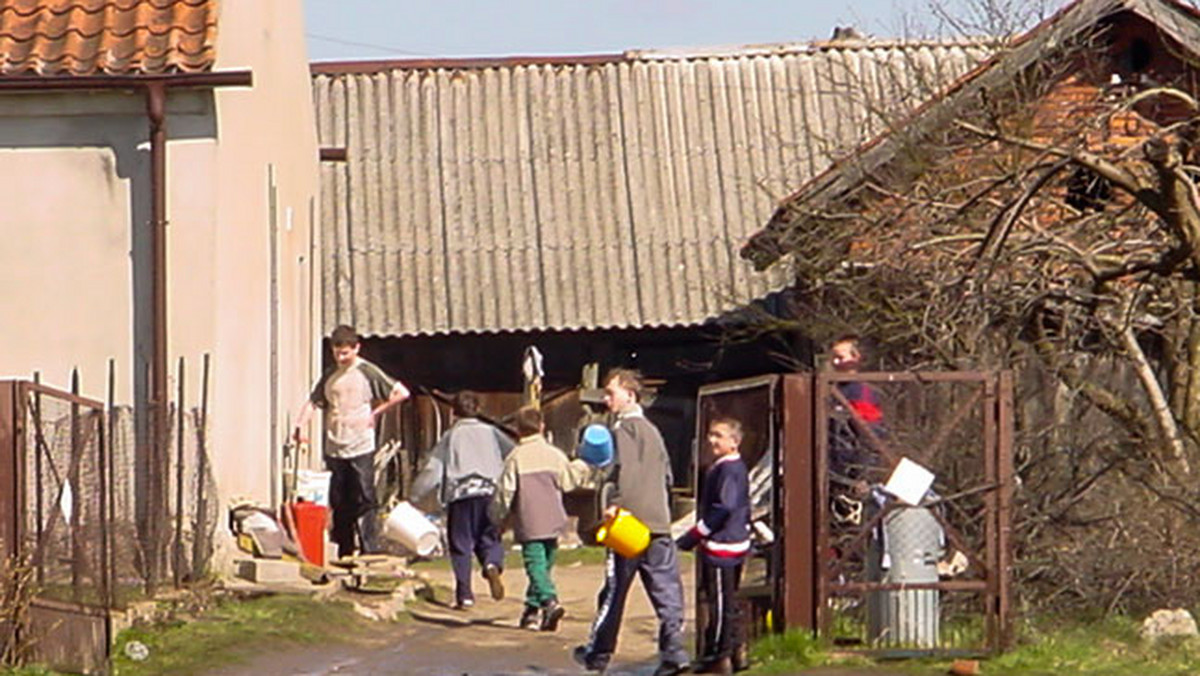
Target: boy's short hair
<point>734,425</point>
<point>344,336</point>
<point>529,421</point>
<point>467,404</point>
<point>630,379</point>
<point>854,340</point>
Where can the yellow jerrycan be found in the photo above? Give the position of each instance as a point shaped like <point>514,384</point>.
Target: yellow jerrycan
<point>624,534</point>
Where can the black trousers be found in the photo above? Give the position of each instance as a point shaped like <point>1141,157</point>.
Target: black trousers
<point>352,499</point>
<point>470,530</point>
<point>658,567</point>
<point>723,630</point>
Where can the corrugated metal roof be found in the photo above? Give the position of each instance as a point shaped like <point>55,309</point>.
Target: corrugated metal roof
<point>113,37</point>
<point>511,194</point>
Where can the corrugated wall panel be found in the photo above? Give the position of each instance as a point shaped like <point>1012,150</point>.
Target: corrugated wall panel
<point>591,194</point>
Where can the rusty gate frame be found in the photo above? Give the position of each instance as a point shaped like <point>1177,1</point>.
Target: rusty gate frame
<point>61,628</point>
<point>995,396</point>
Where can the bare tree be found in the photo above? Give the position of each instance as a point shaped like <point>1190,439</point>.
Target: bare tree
<point>1044,217</point>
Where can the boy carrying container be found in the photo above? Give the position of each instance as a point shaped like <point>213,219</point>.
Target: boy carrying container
<point>723,532</point>
<point>535,476</point>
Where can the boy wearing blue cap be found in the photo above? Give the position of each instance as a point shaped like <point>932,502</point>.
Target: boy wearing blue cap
<point>530,489</point>
<point>722,532</point>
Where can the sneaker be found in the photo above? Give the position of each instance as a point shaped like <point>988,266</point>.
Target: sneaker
<point>589,664</point>
<point>552,614</point>
<point>530,618</point>
<point>464,604</point>
<point>495,583</point>
<point>671,668</point>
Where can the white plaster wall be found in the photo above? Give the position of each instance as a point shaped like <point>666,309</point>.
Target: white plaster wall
<point>68,166</point>
<point>64,265</point>
<point>266,129</point>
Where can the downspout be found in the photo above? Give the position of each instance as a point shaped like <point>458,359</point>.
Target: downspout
<point>156,112</point>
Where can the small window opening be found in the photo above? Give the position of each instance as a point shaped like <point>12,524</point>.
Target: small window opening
<point>1139,55</point>
<point>1088,192</point>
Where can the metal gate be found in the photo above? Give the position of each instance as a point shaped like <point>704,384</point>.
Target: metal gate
<point>54,521</point>
<point>868,571</point>
<point>926,573</point>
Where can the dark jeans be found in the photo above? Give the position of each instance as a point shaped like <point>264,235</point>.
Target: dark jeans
<point>470,530</point>
<point>658,567</point>
<point>723,622</point>
<point>352,499</point>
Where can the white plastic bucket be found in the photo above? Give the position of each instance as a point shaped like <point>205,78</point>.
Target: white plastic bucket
<point>313,486</point>
<point>409,527</point>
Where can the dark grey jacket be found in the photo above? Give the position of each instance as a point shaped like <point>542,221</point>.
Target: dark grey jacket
<point>640,478</point>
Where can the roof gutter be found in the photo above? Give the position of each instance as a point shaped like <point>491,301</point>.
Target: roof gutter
<point>155,88</point>
<point>232,78</point>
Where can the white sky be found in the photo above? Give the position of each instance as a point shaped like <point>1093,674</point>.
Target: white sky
<point>366,29</point>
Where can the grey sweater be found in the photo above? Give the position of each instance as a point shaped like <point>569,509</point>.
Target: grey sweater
<point>640,478</point>
<point>465,463</point>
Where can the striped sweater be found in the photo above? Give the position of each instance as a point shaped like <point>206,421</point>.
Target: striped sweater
<point>723,516</point>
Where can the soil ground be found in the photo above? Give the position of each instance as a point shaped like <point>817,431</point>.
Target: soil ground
<point>485,640</point>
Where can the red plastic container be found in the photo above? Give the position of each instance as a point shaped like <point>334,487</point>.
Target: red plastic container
<point>310,520</point>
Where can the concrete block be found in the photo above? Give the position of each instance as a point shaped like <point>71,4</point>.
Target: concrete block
<point>267,571</point>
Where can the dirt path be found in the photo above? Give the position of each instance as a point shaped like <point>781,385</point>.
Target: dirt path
<point>485,640</point>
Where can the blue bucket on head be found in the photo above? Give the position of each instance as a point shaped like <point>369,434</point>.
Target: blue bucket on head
<point>596,447</point>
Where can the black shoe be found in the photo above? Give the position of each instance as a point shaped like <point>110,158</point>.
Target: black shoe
<point>531,618</point>
<point>495,584</point>
<point>740,659</point>
<point>589,664</point>
<point>714,665</point>
<point>671,668</point>
<point>552,614</point>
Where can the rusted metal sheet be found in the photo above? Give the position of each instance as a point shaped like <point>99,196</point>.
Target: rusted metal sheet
<point>69,637</point>
<point>797,471</point>
<point>11,476</point>
<point>113,37</point>
<point>589,192</point>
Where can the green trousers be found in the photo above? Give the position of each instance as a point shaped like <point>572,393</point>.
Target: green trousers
<point>539,561</point>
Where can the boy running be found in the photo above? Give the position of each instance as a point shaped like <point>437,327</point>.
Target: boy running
<point>535,476</point>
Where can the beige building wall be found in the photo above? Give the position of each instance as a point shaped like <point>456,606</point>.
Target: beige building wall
<point>75,172</point>
<point>268,143</point>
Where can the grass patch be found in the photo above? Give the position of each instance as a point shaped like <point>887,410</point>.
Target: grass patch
<point>787,652</point>
<point>1105,647</point>
<point>232,631</point>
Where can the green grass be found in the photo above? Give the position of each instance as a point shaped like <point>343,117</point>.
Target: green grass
<point>232,631</point>
<point>1048,646</point>
<point>1108,647</point>
<point>787,652</point>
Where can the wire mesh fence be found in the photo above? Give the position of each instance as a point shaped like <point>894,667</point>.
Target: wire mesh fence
<point>924,572</point>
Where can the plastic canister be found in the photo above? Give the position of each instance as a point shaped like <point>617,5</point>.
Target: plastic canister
<point>596,447</point>
<point>624,534</point>
<point>310,519</point>
<point>409,527</point>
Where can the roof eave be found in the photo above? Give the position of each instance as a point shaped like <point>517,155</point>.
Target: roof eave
<point>229,78</point>
<point>764,247</point>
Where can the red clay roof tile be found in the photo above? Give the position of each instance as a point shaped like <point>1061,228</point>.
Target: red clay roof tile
<point>112,37</point>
